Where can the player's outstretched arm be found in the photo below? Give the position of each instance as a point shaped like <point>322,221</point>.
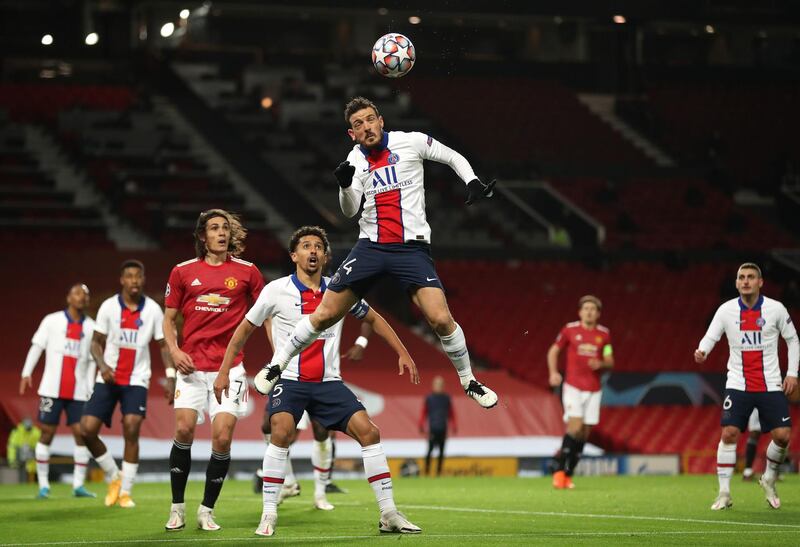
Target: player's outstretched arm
<point>97,348</point>
<point>477,189</point>
<point>182,360</point>
<point>240,336</point>
<point>385,331</point>
<point>356,351</point>
<point>31,361</point>
<point>554,377</point>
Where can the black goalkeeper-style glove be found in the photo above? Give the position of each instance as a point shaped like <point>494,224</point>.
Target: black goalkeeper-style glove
<point>476,190</point>
<point>344,174</point>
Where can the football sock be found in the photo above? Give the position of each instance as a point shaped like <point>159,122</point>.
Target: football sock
<point>333,459</point>
<point>726,461</point>
<point>289,478</point>
<point>302,336</point>
<point>750,452</point>
<point>80,455</point>
<point>568,447</point>
<point>215,475</point>
<point>377,470</point>
<point>575,457</point>
<point>455,346</point>
<point>274,469</point>
<point>128,476</point>
<point>180,464</point>
<point>108,465</point>
<point>321,455</point>
<point>42,453</point>
<point>775,456</point>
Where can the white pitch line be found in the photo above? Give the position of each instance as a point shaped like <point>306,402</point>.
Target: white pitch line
<point>596,516</point>
<point>387,537</point>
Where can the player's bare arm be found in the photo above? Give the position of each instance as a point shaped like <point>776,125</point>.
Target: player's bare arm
<point>169,386</point>
<point>385,331</point>
<point>554,377</point>
<point>238,340</point>
<point>356,351</point>
<point>182,360</point>
<point>97,348</point>
<point>24,383</point>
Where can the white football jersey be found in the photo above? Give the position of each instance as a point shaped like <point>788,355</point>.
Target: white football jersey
<point>286,301</point>
<point>128,335</point>
<point>752,334</point>
<point>68,366</point>
<point>392,181</point>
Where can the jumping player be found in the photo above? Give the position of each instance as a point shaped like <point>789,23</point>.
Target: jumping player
<point>589,354</point>
<point>752,324</point>
<point>386,168</point>
<point>212,291</point>
<point>313,382</point>
<point>64,336</point>
<point>126,324</point>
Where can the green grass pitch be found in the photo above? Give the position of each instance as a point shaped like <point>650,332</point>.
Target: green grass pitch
<point>601,510</point>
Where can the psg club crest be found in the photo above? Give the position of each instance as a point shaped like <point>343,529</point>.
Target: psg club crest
<point>761,322</point>
<point>231,282</point>
<point>393,158</point>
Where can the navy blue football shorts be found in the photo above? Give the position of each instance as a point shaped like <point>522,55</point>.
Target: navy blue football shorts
<point>50,409</point>
<point>410,263</point>
<point>331,404</point>
<point>131,399</point>
<point>773,409</point>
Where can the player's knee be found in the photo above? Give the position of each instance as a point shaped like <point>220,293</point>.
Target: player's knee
<point>222,441</point>
<point>87,432</point>
<point>184,432</point>
<point>371,435</point>
<point>730,435</point>
<point>441,322</point>
<point>781,436</point>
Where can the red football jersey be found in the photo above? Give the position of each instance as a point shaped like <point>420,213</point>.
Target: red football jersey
<point>583,344</point>
<point>213,301</point>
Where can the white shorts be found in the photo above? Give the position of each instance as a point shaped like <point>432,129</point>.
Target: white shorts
<point>581,404</point>
<point>754,423</point>
<point>196,391</point>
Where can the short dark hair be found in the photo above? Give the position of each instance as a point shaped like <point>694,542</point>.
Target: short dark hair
<point>356,104</point>
<point>238,232</point>
<point>750,266</point>
<point>131,263</point>
<point>308,231</point>
<point>592,299</point>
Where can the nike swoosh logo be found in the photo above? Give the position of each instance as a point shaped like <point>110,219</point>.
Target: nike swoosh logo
<point>298,304</point>
<point>142,409</point>
<point>786,419</point>
<point>365,170</point>
<point>430,279</point>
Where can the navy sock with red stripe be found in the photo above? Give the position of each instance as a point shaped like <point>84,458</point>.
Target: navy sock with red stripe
<point>377,470</point>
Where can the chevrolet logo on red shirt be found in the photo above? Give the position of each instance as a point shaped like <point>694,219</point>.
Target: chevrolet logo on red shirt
<point>214,300</point>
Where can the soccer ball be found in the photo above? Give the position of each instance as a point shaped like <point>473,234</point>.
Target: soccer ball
<point>393,55</point>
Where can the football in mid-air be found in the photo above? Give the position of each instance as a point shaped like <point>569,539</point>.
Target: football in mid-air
<point>393,55</point>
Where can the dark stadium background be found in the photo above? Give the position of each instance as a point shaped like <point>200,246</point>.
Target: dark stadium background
<point>644,149</point>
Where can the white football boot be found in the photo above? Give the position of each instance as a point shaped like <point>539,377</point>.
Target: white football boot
<point>266,378</point>
<point>322,503</point>
<point>481,394</point>
<point>205,519</point>
<point>289,491</point>
<point>771,494</point>
<point>267,525</point>
<point>177,518</point>
<point>723,501</point>
<point>395,522</point>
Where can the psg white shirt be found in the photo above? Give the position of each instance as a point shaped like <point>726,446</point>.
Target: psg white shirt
<point>286,301</point>
<point>128,335</point>
<point>391,179</point>
<point>68,366</point>
<point>752,334</point>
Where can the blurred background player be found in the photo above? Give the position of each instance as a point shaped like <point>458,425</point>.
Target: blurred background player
<point>21,447</point>
<point>394,238</point>
<point>437,412</point>
<point>313,382</point>
<point>126,324</point>
<point>212,292</point>
<point>65,337</point>
<point>752,324</point>
<point>589,355</point>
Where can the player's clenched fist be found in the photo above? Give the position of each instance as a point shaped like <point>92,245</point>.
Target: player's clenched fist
<point>344,174</point>
<point>476,190</point>
<point>699,356</point>
<point>555,379</point>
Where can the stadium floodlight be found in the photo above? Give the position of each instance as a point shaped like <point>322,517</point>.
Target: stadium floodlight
<point>709,29</point>
<point>185,13</point>
<point>619,19</point>
<point>414,20</point>
<point>167,30</point>
<point>91,39</point>
<point>267,102</point>
<point>47,40</point>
